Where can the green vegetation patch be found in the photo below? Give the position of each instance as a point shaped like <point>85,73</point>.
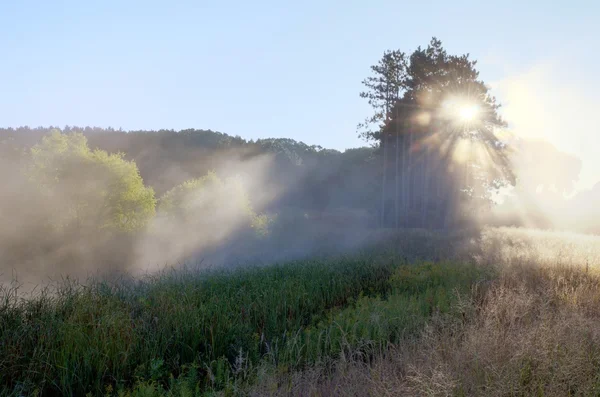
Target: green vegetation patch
<point>78,339</point>
<point>370,323</point>
<point>209,330</point>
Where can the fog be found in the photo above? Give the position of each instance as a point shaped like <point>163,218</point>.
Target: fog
<point>214,217</point>
<point>70,210</point>
<point>553,131</point>
<point>64,213</point>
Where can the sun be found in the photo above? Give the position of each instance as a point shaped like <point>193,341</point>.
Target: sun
<point>460,110</point>
<point>468,112</point>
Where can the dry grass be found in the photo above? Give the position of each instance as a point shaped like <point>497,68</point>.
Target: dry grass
<point>535,330</point>
<point>508,246</point>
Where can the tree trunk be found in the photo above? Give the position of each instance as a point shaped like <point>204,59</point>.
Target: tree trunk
<point>397,171</point>
<point>424,186</point>
<point>384,181</point>
<point>405,165</point>
<point>409,170</point>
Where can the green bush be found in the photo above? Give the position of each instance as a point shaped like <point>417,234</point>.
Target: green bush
<point>89,189</point>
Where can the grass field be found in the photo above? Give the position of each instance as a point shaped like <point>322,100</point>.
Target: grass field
<point>518,318</point>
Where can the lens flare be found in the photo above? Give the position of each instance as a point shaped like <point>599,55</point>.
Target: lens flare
<point>468,113</point>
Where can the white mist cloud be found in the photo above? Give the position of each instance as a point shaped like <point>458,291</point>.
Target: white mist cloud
<point>215,215</point>
<point>551,101</point>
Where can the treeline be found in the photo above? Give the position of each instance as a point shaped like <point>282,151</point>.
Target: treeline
<point>317,178</point>
<point>436,159</point>
<point>79,199</point>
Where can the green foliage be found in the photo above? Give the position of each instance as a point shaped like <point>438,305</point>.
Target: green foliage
<point>183,332</point>
<point>193,153</point>
<point>428,152</point>
<point>384,89</point>
<point>76,339</point>
<point>426,80</point>
<point>90,189</point>
<point>212,202</point>
<point>190,196</point>
<point>369,324</point>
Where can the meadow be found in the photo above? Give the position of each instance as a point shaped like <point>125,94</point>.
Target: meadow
<point>511,312</point>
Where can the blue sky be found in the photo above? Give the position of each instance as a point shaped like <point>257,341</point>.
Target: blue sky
<point>265,68</point>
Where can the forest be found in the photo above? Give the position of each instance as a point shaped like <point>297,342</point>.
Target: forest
<point>104,188</point>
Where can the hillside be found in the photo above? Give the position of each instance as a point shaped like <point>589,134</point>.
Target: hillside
<point>315,178</point>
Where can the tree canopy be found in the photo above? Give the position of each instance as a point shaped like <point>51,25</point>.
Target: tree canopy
<point>90,189</point>
<point>435,124</point>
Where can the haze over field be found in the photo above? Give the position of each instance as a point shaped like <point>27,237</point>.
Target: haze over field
<point>267,75</point>
<point>318,198</point>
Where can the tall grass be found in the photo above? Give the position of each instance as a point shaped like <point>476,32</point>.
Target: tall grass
<point>535,332</point>
<point>75,339</point>
<point>370,324</point>
<point>510,246</point>
<point>359,332</point>
<point>521,319</point>
<point>533,329</point>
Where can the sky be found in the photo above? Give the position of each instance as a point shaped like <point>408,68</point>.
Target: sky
<point>290,69</point>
